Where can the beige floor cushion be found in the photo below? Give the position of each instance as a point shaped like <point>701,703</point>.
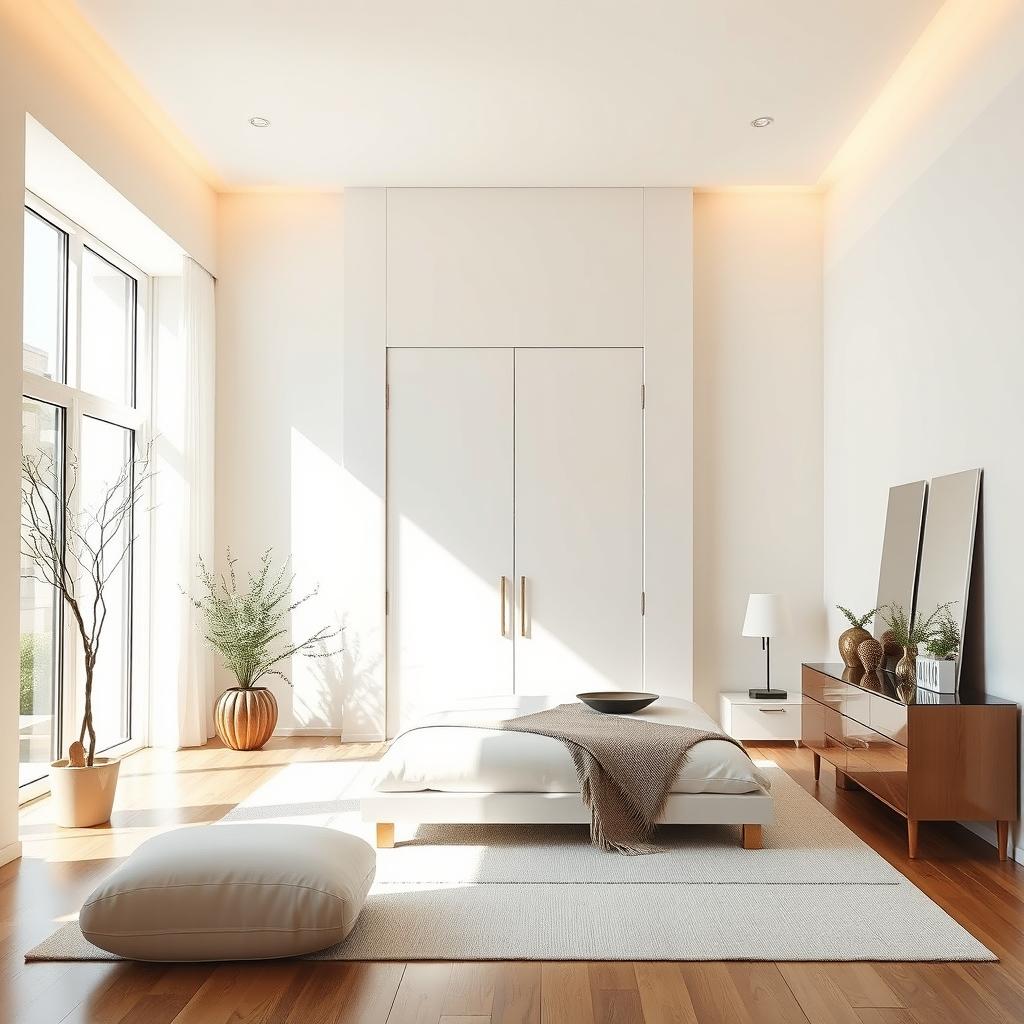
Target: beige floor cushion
<point>232,892</point>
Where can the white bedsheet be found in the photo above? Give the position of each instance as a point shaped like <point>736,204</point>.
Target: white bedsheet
<point>469,760</point>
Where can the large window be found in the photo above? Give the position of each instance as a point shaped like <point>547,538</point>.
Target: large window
<point>86,409</point>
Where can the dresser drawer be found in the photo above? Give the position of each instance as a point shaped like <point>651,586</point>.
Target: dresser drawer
<point>878,763</point>
<point>888,718</point>
<point>775,721</point>
<point>824,690</point>
<point>822,731</point>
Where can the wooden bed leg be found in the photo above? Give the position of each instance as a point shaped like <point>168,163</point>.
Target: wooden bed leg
<point>385,835</point>
<point>1003,835</point>
<point>751,837</point>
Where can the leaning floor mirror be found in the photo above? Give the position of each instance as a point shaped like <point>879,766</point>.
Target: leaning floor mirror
<point>948,548</point>
<point>901,545</point>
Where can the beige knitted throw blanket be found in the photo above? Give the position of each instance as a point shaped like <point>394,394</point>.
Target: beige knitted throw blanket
<point>625,766</point>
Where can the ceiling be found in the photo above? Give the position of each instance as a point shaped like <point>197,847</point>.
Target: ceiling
<point>513,92</point>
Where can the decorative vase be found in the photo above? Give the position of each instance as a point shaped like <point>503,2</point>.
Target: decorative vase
<point>870,653</point>
<point>82,797</point>
<point>245,717</point>
<point>849,640</point>
<point>906,667</point>
<point>890,649</point>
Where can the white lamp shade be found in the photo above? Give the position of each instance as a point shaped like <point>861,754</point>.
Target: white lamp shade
<point>766,615</point>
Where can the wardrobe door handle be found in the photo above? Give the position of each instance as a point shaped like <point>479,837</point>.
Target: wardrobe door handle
<point>503,582</point>
<point>522,606</point>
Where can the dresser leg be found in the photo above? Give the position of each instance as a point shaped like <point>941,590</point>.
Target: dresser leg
<point>1003,832</point>
<point>817,767</point>
<point>911,838</point>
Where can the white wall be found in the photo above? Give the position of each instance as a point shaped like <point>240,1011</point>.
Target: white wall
<point>757,433</point>
<point>924,320</point>
<point>280,477</point>
<point>45,73</point>
<point>423,267</point>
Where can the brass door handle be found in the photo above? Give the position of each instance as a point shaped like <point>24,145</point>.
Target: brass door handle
<point>503,582</point>
<point>522,606</point>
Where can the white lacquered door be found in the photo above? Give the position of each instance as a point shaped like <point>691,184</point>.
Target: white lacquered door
<point>450,531</point>
<point>578,520</point>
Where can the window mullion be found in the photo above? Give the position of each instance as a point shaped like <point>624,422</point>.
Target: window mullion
<point>73,681</point>
<point>74,316</point>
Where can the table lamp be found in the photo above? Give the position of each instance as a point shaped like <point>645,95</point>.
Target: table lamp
<point>766,614</point>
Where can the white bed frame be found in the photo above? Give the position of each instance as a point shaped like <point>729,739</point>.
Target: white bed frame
<point>750,810</point>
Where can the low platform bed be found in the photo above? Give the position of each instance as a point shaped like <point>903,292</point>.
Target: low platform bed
<point>466,775</point>
<point>749,810</point>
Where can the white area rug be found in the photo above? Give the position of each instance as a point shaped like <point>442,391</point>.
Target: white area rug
<point>816,892</point>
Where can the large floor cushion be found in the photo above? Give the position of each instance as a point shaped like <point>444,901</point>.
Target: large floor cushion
<point>232,892</point>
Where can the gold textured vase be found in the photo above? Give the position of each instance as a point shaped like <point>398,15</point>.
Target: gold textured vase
<point>849,640</point>
<point>906,667</point>
<point>245,717</point>
<point>870,653</point>
<point>890,649</point>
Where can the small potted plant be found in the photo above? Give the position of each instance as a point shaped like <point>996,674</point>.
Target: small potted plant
<point>78,553</point>
<point>850,639</point>
<point>937,669</point>
<point>910,636</point>
<point>247,630</point>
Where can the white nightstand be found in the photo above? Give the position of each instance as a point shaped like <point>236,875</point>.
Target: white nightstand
<point>745,718</point>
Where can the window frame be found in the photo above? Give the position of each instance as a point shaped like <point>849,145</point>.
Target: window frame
<point>76,404</point>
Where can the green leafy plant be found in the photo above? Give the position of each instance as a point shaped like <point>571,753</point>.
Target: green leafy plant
<point>247,628</point>
<point>912,634</point>
<point>857,621</point>
<point>945,642</point>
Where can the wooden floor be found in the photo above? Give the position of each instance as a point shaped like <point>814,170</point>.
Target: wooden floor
<point>160,790</point>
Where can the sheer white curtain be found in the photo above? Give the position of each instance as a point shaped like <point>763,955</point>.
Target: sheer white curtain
<point>182,674</point>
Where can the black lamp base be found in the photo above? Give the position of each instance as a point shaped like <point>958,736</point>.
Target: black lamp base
<point>769,694</point>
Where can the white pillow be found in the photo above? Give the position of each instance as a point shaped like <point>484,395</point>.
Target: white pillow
<point>232,892</point>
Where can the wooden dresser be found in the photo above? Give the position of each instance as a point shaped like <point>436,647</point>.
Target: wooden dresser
<point>929,756</point>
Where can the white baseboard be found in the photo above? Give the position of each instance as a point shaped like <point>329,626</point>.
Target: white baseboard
<point>988,833</point>
<point>12,851</point>
<point>335,733</point>
<point>318,730</point>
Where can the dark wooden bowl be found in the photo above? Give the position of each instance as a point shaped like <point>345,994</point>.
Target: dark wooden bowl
<point>617,702</point>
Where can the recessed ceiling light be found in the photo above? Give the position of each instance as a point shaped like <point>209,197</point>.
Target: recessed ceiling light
<point>762,122</point>
<point>259,122</point>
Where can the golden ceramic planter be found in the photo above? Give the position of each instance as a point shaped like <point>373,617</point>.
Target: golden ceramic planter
<point>245,718</point>
<point>849,641</point>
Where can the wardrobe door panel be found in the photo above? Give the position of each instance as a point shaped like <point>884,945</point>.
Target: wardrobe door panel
<point>450,505</point>
<point>579,520</point>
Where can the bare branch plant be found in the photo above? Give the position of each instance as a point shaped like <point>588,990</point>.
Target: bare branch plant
<point>78,553</point>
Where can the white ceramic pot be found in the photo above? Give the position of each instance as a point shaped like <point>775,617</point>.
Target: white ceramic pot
<point>935,674</point>
<point>82,797</point>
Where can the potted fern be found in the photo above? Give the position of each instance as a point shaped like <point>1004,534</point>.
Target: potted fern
<point>850,639</point>
<point>911,635</point>
<point>937,669</point>
<point>246,628</point>
<point>79,553</point>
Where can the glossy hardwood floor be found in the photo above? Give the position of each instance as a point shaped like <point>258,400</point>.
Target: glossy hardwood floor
<point>160,790</point>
